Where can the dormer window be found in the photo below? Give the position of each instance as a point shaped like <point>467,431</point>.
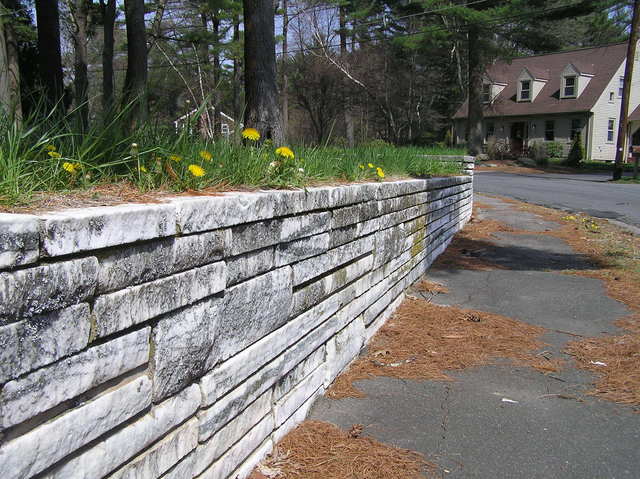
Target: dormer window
<point>486,93</point>
<point>570,86</point>
<point>525,90</point>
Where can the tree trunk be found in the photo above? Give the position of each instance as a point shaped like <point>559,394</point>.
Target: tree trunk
<point>9,70</point>
<point>474,120</point>
<point>236,72</point>
<point>80,12</point>
<point>285,73</point>
<point>49,52</point>
<point>217,74</point>
<point>108,8</point>
<point>348,118</point>
<point>135,82</point>
<point>261,90</point>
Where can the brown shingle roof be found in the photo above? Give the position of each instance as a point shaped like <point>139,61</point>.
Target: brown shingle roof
<point>602,62</point>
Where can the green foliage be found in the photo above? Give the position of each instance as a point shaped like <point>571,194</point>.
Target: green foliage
<point>576,154</point>
<point>554,149</point>
<point>538,152</point>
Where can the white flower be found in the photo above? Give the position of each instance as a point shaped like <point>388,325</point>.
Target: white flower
<point>301,170</point>
<point>134,145</point>
<point>273,164</point>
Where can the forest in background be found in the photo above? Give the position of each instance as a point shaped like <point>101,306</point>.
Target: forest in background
<point>347,72</point>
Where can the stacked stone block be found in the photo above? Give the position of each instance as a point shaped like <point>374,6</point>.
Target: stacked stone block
<point>183,339</point>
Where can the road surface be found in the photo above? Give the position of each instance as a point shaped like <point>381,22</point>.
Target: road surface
<point>590,193</point>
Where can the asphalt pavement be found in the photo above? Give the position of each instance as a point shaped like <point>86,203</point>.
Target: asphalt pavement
<point>549,427</point>
<point>591,193</point>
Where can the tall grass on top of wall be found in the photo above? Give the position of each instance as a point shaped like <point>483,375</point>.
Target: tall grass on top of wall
<point>48,153</point>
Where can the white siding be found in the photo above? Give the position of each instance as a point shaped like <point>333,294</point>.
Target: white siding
<point>603,110</point>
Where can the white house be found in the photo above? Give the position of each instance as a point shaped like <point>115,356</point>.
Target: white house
<point>552,97</point>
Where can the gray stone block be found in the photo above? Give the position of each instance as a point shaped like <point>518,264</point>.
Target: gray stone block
<point>183,469</point>
<point>298,373</point>
<point>294,251</point>
<point>113,451</point>
<point>33,452</point>
<point>41,340</point>
<point>254,263</point>
<point>354,214</point>
<point>117,311</point>
<point>388,244</point>
<point>45,288</point>
<point>182,345</point>
<point>163,455</point>
<point>248,237</point>
<point>344,348</point>
<point>19,240</point>
<point>251,310</point>
<point>304,225</point>
<point>39,391</point>
<point>200,249</point>
<point>87,229</point>
<point>289,403</point>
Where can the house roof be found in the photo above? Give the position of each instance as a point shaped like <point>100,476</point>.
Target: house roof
<point>635,115</point>
<point>601,62</point>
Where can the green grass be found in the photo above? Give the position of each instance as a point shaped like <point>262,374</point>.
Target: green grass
<point>591,165</point>
<point>47,155</point>
<point>628,180</point>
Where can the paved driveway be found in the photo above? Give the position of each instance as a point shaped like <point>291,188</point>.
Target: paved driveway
<point>590,193</point>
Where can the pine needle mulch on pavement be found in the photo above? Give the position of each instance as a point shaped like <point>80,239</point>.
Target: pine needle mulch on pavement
<point>318,450</point>
<point>423,340</point>
<point>615,254</point>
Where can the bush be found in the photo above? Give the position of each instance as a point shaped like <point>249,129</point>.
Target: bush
<point>495,150</point>
<point>538,152</point>
<point>554,149</point>
<point>576,154</point>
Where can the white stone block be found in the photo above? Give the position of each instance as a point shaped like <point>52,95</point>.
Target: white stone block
<point>42,447</point>
<point>304,225</point>
<point>248,237</point>
<point>41,340</point>
<point>163,455</point>
<point>219,443</point>
<point>294,399</point>
<point>298,250</point>
<point>298,373</point>
<point>113,451</point>
<point>72,231</point>
<point>248,265</point>
<point>344,348</point>
<point>382,318</point>
<point>19,240</point>
<point>117,311</point>
<point>40,289</point>
<point>28,396</point>
<point>182,470</point>
<point>249,464</point>
<point>296,418</point>
<point>235,456</point>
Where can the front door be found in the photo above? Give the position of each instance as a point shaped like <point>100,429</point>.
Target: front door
<point>518,137</point>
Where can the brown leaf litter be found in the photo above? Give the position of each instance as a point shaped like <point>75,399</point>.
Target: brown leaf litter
<point>423,340</point>
<point>615,254</point>
<point>319,450</point>
<point>431,287</point>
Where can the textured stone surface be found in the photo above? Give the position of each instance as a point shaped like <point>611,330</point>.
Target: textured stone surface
<point>38,449</point>
<point>163,455</point>
<point>304,225</point>
<point>295,398</point>
<point>19,240</point>
<point>354,214</point>
<point>25,397</point>
<point>297,374</point>
<point>344,348</point>
<point>183,469</point>
<point>316,266</point>
<point>87,229</point>
<point>238,453</point>
<point>106,455</point>
<point>183,342</point>
<point>122,309</point>
<point>40,289</point>
<point>246,468</point>
<point>220,442</point>
<point>245,266</point>
<point>294,251</point>
<point>251,310</point>
<point>255,235</point>
<point>296,418</point>
<point>41,340</point>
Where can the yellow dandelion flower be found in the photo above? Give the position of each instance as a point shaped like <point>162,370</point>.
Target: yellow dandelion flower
<point>251,134</point>
<point>69,167</point>
<point>196,170</point>
<point>379,172</point>
<point>50,148</point>
<point>285,152</point>
<point>370,165</point>
<point>176,158</point>
<point>54,154</point>
<point>205,155</point>
<point>142,169</point>
<point>361,167</point>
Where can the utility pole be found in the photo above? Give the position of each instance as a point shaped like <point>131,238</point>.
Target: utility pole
<point>624,109</point>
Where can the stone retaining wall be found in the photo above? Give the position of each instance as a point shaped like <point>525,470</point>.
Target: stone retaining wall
<point>184,339</point>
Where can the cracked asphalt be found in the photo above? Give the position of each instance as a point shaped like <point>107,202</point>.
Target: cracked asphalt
<point>501,420</point>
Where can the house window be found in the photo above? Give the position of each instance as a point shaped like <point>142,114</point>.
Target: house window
<point>525,90</point>
<point>569,86</point>
<point>621,87</point>
<point>611,97</point>
<point>550,130</point>
<point>611,126</point>
<point>486,92</point>
<point>491,130</point>
<point>576,127</point>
